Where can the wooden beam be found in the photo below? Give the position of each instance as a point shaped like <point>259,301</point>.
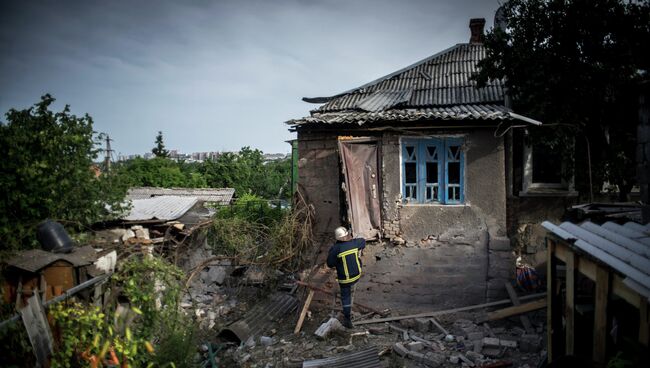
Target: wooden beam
<point>588,267</point>
<point>303,313</point>
<point>447,311</point>
<point>515,310</point>
<point>569,311</point>
<point>644,324</point>
<point>515,301</point>
<point>550,297</point>
<point>439,326</point>
<point>600,316</point>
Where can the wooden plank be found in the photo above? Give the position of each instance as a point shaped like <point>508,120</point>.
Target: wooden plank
<point>600,316</point>
<point>622,290</point>
<point>569,312</point>
<point>38,330</point>
<point>447,311</point>
<point>303,313</point>
<point>588,268</point>
<point>517,309</point>
<point>550,288</point>
<point>439,326</point>
<point>336,295</point>
<point>515,301</point>
<point>644,324</point>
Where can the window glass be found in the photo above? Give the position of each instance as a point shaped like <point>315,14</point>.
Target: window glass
<point>547,166</point>
<point>410,172</point>
<point>432,172</point>
<point>453,172</point>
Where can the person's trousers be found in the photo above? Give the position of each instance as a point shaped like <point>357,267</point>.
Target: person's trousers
<point>347,297</point>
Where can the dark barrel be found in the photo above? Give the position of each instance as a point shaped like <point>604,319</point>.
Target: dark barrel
<point>53,237</point>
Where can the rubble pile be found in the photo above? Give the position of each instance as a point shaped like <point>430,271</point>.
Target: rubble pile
<point>420,342</point>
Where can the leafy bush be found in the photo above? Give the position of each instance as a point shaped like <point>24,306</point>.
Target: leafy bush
<point>252,208</point>
<point>152,287</point>
<point>45,172</point>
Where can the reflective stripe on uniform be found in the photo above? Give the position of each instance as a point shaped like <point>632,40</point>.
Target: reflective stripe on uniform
<point>343,255</point>
<point>347,281</point>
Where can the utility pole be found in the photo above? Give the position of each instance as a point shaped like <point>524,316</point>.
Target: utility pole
<point>108,151</point>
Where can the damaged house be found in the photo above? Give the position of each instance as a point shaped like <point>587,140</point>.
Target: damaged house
<point>417,157</point>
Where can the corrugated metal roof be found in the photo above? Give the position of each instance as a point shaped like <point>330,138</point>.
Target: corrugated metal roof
<point>438,87</point>
<point>36,259</point>
<point>260,318</point>
<point>222,196</point>
<point>438,80</point>
<point>368,358</point>
<point>161,208</point>
<point>623,248</point>
<point>459,112</point>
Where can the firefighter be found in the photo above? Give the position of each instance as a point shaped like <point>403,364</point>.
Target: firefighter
<point>344,256</point>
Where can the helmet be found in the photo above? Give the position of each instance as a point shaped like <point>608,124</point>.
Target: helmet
<point>340,233</point>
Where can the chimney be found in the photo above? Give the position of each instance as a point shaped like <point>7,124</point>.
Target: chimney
<point>476,26</point>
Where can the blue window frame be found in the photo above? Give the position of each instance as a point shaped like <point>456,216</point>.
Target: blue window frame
<point>433,170</point>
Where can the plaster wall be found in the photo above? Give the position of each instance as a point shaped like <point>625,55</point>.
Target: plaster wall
<point>485,194</point>
<point>447,258</point>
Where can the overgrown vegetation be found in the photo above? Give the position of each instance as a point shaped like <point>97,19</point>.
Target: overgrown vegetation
<point>150,331</point>
<point>262,235</point>
<point>46,171</point>
<point>245,171</point>
<point>576,65</point>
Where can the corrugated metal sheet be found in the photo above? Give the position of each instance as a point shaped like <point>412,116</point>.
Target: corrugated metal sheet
<point>361,359</point>
<point>222,196</point>
<point>260,318</point>
<point>623,248</point>
<point>382,100</point>
<point>36,259</point>
<point>161,208</point>
<point>459,112</point>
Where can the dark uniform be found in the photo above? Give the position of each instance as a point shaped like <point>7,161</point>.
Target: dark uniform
<point>344,255</point>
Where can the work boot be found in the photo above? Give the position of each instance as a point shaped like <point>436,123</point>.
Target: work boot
<point>347,323</point>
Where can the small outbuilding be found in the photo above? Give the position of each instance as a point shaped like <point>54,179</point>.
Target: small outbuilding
<point>598,290</point>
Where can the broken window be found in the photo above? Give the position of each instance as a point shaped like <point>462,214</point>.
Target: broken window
<point>433,170</point>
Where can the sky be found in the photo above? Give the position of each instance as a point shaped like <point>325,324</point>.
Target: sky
<point>212,75</point>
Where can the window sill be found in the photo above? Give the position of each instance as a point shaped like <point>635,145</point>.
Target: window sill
<point>548,192</point>
<point>435,205</point>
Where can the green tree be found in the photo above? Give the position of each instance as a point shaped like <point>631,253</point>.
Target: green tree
<point>247,172</point>
<point>159,172</point>
<point>576,65</point>
<point>159,150</point>
<point>46,172</point>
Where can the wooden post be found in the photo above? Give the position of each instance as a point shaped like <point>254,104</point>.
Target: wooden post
<point>644,324</point>
<point>305,308</point>
<point>551,299</point>
<point>569,312</point>
<point>600,316</point>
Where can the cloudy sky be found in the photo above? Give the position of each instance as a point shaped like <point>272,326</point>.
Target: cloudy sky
<point>212,75</point>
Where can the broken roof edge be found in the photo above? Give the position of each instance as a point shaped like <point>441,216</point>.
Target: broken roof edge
<point>320,100</point>
<point>319,118</point>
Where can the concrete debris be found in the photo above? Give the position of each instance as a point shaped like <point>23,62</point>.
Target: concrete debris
<point>128,234</point>
<point>326,328</point>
